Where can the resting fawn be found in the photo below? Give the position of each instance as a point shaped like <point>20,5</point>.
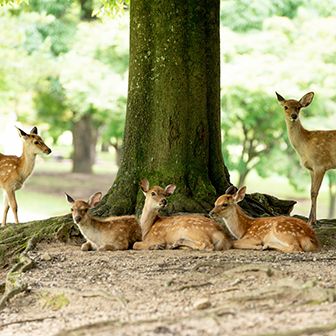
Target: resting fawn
<point>286,234</point>
<point>191,230</point>
<point>15,170</point>
<point>110,233</point>
<point>316,149</point>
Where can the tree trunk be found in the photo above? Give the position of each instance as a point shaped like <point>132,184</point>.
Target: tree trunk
<point>84,145</point>
<point>242,177</point>
<point>332,194</point>
<point>118,153</point>
<point>172,132</point>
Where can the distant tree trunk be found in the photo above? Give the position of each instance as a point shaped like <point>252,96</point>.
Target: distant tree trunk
<point>172,132</point>
<point>118,152</point>
<point>332,193</point>
<point>84,143</point>
<point>105,146</point>
<point>242,177</point>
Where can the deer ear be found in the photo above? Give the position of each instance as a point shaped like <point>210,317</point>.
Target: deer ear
<point>170,188</point>
<point>69,198</point>
<point>280,98</point>
<point>306,99</point>
<point>144,185</point>
<point>22,134</point>
<point>34,130</point>
<point>95,199</point>
<point>231,190</point>
<point>240,194</point>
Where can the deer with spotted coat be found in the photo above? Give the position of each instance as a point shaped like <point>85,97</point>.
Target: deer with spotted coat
<point>103,234</point>
<point>15,170</point>
<point>192,231</point>
<point>316,149</point>
<point>282,233</point>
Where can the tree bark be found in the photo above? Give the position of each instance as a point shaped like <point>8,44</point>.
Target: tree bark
<point>172,132</point>
<point>84,145</point>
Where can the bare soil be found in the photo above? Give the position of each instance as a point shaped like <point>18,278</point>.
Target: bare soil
<point>176,292</point>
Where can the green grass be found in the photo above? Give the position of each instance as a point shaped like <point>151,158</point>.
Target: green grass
<point>43,194</point>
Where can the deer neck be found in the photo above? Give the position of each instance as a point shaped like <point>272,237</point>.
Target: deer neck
<point>26,162</point>
<point>147,219</point>
<point>296,132</point>
<point>237,221</point>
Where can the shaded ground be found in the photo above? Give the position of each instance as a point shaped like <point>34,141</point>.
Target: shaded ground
<point>174,293</point>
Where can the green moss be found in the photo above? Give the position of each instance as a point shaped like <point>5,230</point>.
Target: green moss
<point>14,238</point>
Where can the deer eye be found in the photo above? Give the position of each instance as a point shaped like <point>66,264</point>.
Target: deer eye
<point>71,210</point>
<point>224,205</point>
<point>286,107</point>
<point>35,142</point>
<point>153,193</point>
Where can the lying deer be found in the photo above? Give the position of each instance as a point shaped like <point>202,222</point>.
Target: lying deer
<point>102,234</point>
<point>191,230</point>
<point>316,149</point>
<point>285,234</point>
<point>15,170</point>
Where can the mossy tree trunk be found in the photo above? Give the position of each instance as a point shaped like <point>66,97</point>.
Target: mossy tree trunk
<point>172,132</point>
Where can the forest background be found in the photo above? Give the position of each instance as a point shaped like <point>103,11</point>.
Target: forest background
<point>66,70</point>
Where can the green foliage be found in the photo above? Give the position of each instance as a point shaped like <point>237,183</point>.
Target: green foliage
<point>291,56</point>
<point>244,15</point>
<point>253,128</point>
<point>57,8</point>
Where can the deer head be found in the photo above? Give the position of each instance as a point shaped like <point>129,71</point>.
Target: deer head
<point>33,143</point>
<point>225,204</point>
<point>80,208</point>
<point>292,107</point>
<point>156,196</point>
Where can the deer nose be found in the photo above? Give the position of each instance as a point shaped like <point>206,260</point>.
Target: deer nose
<point>163,202</point>
<point>77,219</point>
<point>293,116</point>
<point>48,151</point>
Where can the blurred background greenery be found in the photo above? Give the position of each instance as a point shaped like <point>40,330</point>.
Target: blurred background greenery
<point>64,68</point>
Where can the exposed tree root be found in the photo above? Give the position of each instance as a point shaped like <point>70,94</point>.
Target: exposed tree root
<point>15,238</point>
<point>192,286</point>
<point>13,284</point>
<point>37,319</point>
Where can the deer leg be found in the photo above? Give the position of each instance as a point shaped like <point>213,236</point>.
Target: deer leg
<point>13,205</point>
<point>194,245</point>
<point>6,208</point>
<point>248,244</point>
<point>316,181</point>
<point>87,246</point>
<point>149,246</point>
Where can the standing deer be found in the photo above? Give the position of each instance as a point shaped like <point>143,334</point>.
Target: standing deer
<point>316,149</point>
<point>15,170</point>
<point>285,234</point>
<point>102,234</point>
<point>191,230</point>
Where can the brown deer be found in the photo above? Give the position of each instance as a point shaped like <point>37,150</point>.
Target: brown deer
<point>192,231</point>
<point>285,234</point>
<point>15,170</point>
<point>102,234</point>
<point>316,149</point>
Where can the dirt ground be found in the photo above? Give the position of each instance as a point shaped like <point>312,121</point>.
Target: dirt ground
<point>174,293</point>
